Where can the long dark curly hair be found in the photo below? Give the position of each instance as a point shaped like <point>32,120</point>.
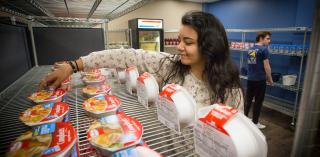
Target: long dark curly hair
<point>219,72</point>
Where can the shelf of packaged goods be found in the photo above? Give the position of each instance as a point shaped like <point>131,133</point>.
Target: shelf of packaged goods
<point>271,52</point>
<point>156,135</point>
<point>293,88</point>
<point>148,41</point>
<point>284,29</point>
<point>170,46</point>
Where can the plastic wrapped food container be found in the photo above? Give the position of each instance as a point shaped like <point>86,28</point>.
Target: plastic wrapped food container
<point>101,105</point>
<point>131,78</point>
<point>47,140</point>
<point>235,133</point>
<point>90,91</point>
<point>44,113</point>
<point>183,102</point>
<point>140,150</point>
<point>121,76</point>
<point>92,72</point>
<point>289,80</point>
<point>94,80</point>
<point>115,133</point>
<point>47,96</point>
<point>149,83</point>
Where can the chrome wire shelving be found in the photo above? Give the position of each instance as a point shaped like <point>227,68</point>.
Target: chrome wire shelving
<point>297,88</point>
<point>14,100</point>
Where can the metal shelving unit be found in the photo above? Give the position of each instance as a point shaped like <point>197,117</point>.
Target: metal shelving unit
<point>271,52</point>
<point>293,88</point>
<point>156,135</point>
<point>297,88</point>
<point>126,38</point>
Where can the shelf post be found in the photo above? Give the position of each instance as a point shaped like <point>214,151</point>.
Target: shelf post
<point>35,57</point>
<point>299,80</point>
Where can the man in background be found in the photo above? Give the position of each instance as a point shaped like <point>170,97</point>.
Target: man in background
<point>259,74</point>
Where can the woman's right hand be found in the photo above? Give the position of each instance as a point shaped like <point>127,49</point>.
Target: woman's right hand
<point>54,79</point>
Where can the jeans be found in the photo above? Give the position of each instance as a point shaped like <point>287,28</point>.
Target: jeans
<point>255,90</point>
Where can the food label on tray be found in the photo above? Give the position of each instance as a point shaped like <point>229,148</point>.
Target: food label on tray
<point>96,89</point>
<point>209,135</point>
<point>44,113</point>
<point>44,129</point>
<point>208,141</point>
<point>218,116</point>
<point>142,94</point>
<point>115,132</point>
<point>142,77</point>
<point>63,136</point>
<point>45,95</point>
<point>45,140</point>
<point>132,130</point>
<point>168,91</point>
<point>58,110</point>
<point>167,113</point>
<point>102,103</point>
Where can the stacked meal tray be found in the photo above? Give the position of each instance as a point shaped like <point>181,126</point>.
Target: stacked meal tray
<point>159,138</point>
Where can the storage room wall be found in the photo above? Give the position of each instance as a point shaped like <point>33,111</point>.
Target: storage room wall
<point>247,14</point>
<point>168,10</point>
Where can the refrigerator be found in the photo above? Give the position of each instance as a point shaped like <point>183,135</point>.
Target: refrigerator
<point>147,34</point>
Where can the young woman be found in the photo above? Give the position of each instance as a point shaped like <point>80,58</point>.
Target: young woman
<point>203,67</point>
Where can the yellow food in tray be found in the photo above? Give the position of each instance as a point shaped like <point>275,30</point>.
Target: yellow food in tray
<point>102,104</point>
<point>41,95</point>
<point>30,146</point>
<point>91,78</point>
<point>109,138</point>
<point>91,89</point>
<point>97,105</point>
<point>35,114</point>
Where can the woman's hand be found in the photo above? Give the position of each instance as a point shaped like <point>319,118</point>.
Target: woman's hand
<point>54,79</point>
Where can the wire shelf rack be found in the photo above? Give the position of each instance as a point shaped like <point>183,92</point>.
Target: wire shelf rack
<point>14,100</point>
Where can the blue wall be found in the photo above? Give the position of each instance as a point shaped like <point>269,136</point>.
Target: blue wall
<point>246,14</point>
<point>262,13</point>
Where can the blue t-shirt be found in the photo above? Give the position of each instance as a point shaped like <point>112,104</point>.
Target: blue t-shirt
<point>255,57</point>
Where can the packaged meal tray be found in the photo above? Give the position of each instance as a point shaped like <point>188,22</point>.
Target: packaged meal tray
<point>92,72</point>
<point>140,150</point>
<point>90,91</point>
<point>47,140</point>
<point>114,133</point>
<point>47,96</point>
<point>101,105</point>
<point>44,113</point>
<point>94,80</point>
